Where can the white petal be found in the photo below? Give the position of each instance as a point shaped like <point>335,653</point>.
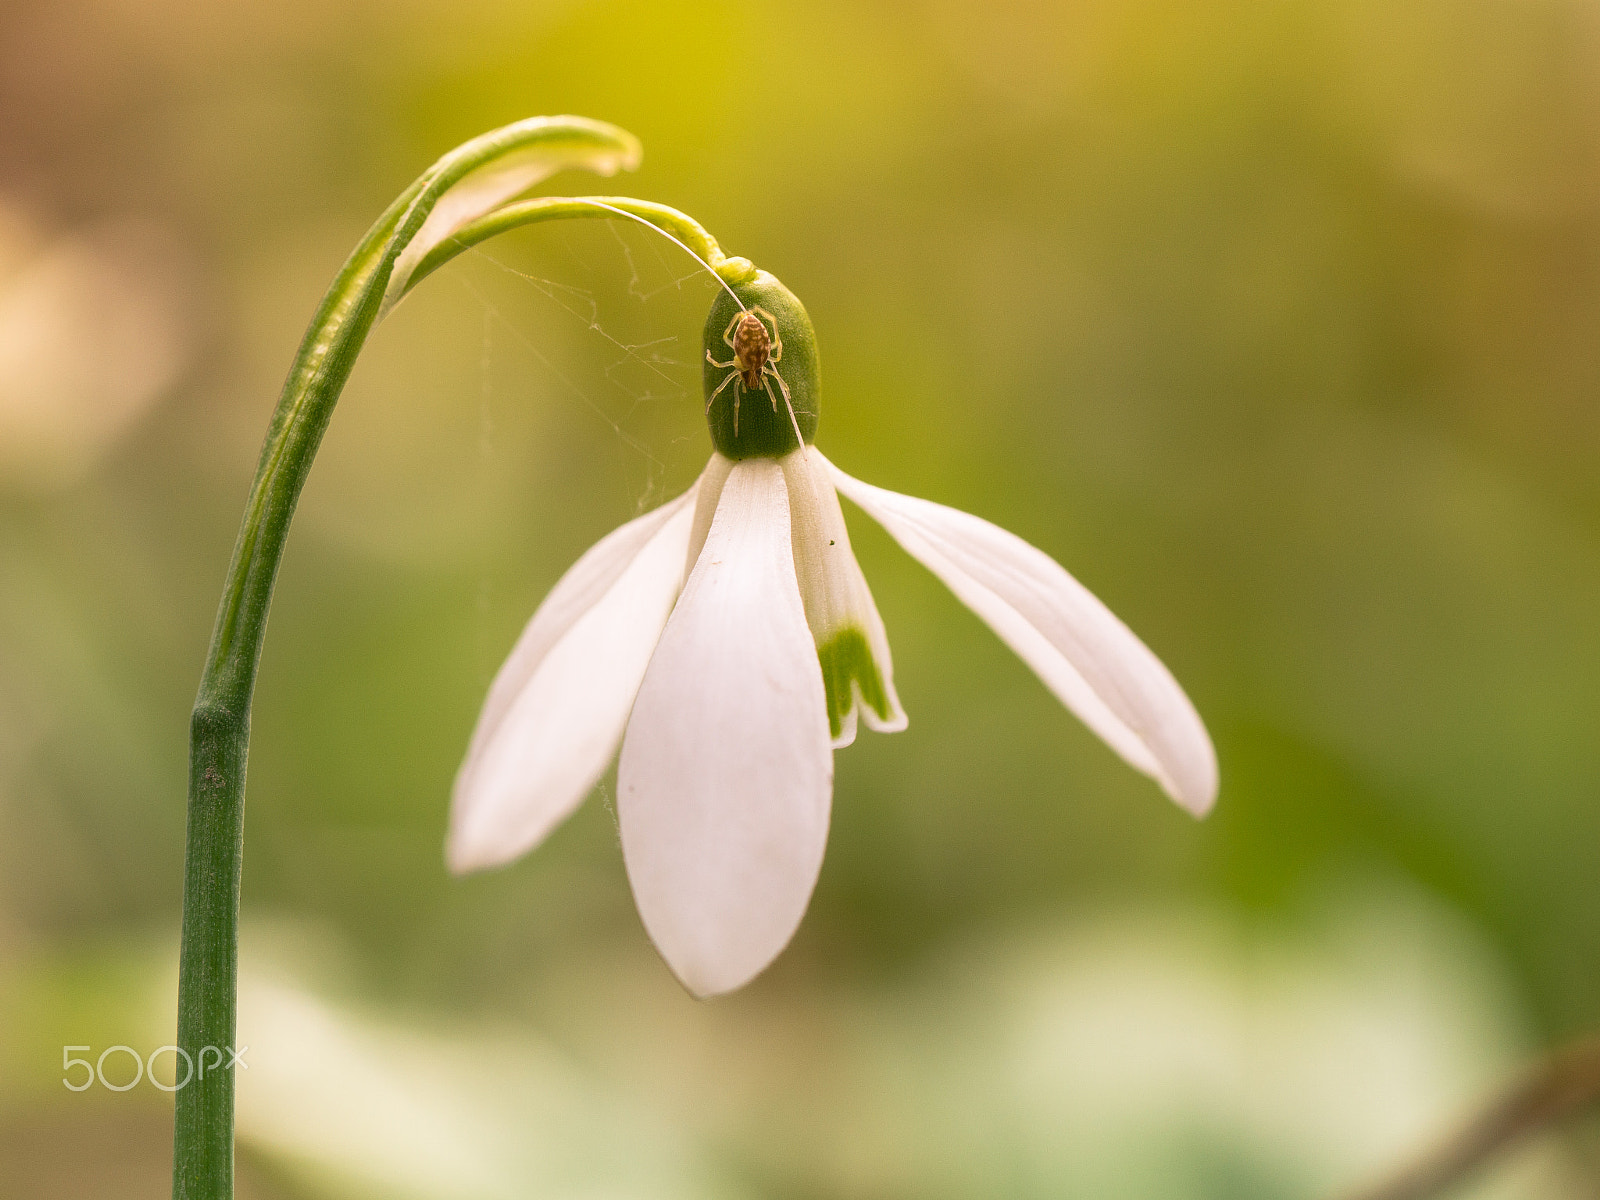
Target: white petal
<point>708,493</point>
<point>726,775</point>
<point>557,709</point>
<point>482,191</point>
<point>857,672</point>
<point>1083,653</point>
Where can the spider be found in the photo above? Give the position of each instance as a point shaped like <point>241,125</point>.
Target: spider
<point>755,356</point>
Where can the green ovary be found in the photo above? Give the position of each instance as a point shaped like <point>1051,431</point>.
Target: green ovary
<point>758,422</point>
<point>846,657</point>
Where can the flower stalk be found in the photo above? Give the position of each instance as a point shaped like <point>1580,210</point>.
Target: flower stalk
<point>468,195</point>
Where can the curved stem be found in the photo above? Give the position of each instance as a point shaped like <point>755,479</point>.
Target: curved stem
<point>220,727</point>
<point>1566,1082</point>
<point>681,227</point>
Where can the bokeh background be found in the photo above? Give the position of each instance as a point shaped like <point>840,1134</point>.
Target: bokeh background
<point>1276,323</point>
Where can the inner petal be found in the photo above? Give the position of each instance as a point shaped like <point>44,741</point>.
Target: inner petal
<point>852,646</point>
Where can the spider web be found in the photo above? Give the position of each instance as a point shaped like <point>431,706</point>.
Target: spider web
<point>608,317</point>
<point>591,331</point>
<point>644,383</point>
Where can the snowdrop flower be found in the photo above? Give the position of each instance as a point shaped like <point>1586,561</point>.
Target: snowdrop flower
<point>728,642</point>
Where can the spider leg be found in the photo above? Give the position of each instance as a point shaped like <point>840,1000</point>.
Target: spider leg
<point>794,420</point>
<point>730,363</point>
<point>727,334</point>
<point>729,378</point>
<point>771,395</point>
<point>781,383</point>
<point>777,342</point>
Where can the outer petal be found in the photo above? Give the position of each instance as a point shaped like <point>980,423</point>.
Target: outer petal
<point>853,648</point>
<point>557,709</point>
<point>1089,659</point>
<point>726,774</point>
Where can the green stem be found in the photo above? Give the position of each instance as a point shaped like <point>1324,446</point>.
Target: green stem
<point>681,226</point>
<point>220,727</point>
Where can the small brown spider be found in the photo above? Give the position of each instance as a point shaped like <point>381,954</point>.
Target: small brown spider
<point>755,355</point>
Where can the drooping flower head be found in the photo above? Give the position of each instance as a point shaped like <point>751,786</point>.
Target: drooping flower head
<point>728,642</point>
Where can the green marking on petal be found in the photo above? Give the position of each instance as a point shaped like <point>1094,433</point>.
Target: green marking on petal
<point>846,657</point>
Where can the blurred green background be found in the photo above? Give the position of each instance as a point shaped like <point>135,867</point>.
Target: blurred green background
<point>1275,322</point>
